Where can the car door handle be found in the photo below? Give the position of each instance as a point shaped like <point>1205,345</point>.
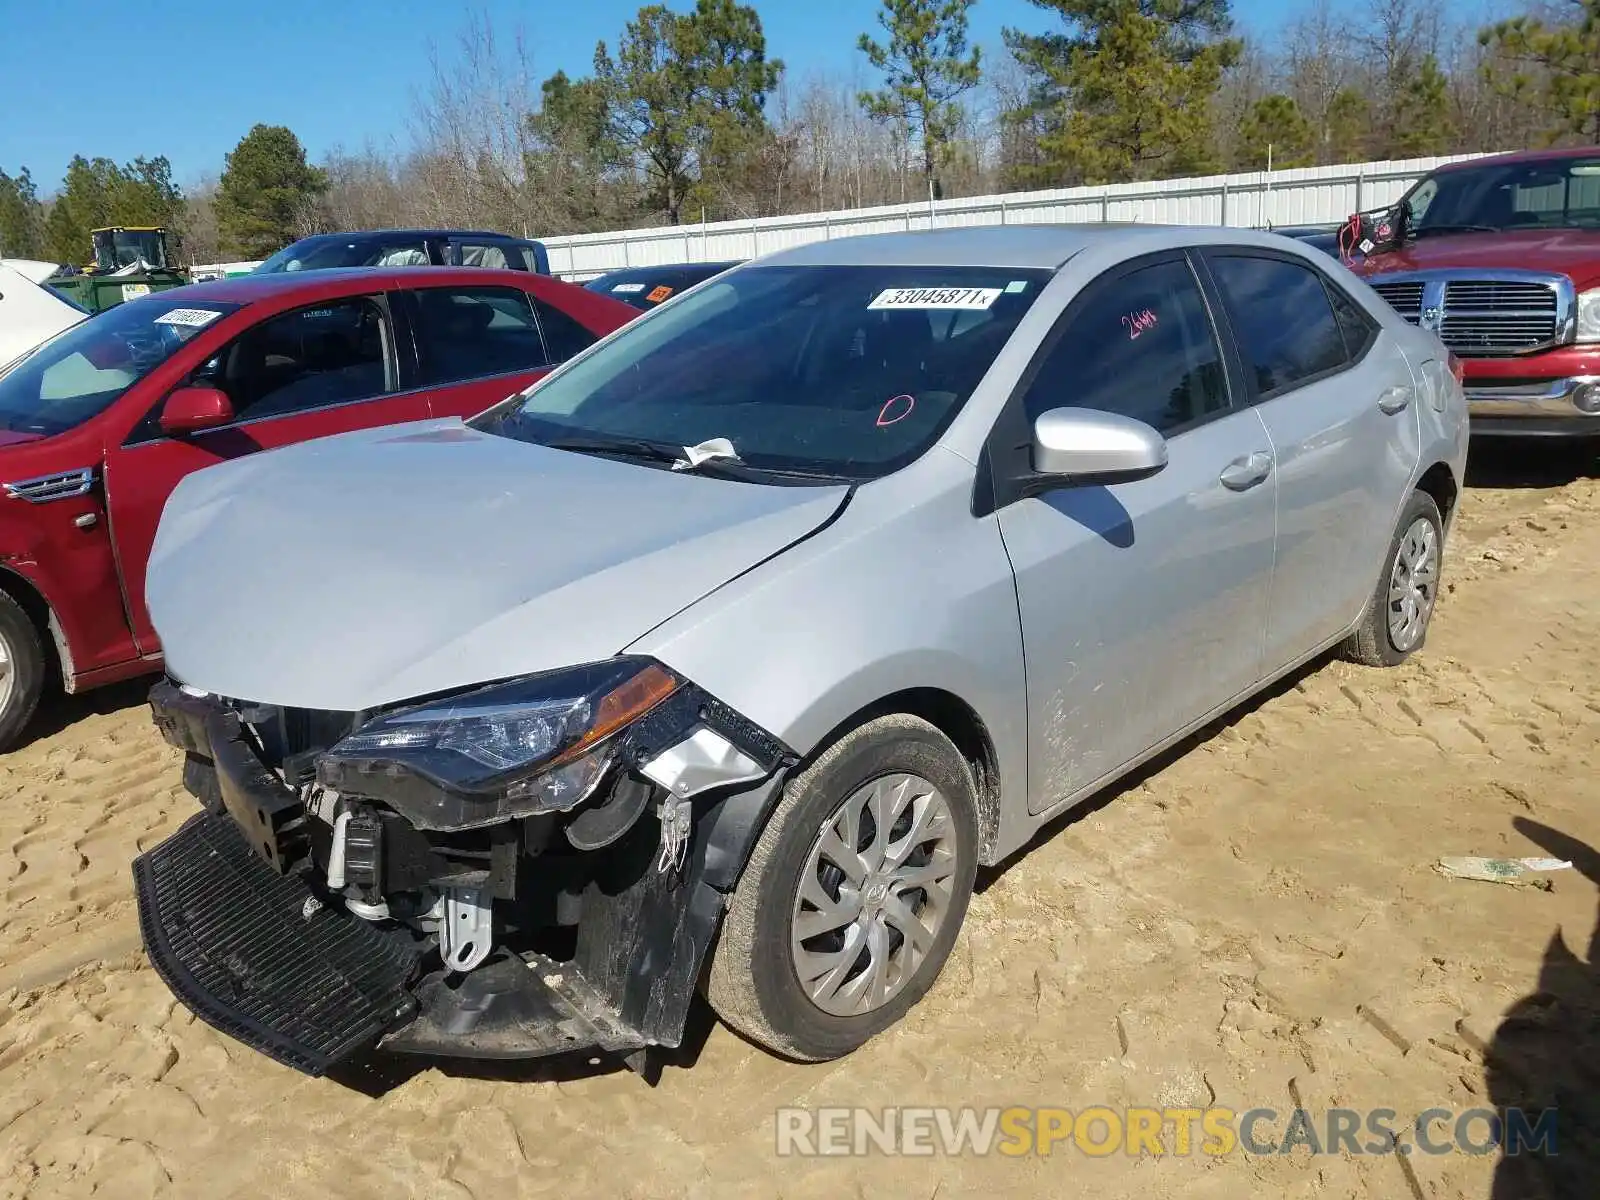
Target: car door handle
<point>1394,399</point>
<point>1246,472</point>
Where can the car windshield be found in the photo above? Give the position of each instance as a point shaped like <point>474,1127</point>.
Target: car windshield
<point>1561,194</point>
<point>805,371</point>
<point>82,371</point>
<point>332,250</point>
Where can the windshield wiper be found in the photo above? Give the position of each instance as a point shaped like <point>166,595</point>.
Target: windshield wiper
<point>635,448</point>
<point>717,466</point>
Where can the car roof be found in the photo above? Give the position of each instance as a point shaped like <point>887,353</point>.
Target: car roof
<point>1017,246</point>
<point>663,268</point>
<point>353,234</point>
<point>249,289</point>
<point>1558,154</point>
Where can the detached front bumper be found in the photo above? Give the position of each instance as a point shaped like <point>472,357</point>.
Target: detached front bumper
<point>258,956</point>
<point>237,919</point>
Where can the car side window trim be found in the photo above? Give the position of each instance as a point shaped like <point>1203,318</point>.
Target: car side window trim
<point>1005,462</point>
<point>1250,394</point>
<point>393,367</point>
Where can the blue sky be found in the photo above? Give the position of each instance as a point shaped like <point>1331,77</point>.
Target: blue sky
<point>196,74</point>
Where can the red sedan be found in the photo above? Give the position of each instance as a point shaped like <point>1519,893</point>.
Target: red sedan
<point>98,425</point>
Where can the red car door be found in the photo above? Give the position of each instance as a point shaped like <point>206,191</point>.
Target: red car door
<point>307,372</point>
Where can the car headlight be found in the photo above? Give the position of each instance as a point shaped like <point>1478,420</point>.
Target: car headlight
<point>1588,316</point>
<point>534,745</point>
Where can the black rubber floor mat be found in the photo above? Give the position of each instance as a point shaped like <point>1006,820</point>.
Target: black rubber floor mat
<point>253,954</point>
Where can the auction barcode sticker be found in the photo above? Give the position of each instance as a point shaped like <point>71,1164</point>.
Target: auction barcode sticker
<point>193,317</point>
<point>936,297</point>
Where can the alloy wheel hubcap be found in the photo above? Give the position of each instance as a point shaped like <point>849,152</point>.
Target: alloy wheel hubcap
<point>1413,585</point>
<point>874,894</point>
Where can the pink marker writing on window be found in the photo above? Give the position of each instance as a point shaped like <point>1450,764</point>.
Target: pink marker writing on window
<point>1137,322</point>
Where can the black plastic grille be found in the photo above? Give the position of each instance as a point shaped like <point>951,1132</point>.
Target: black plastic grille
<point>253,954</point>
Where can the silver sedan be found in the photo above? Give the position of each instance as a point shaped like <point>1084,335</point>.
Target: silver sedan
<point>726,654</point>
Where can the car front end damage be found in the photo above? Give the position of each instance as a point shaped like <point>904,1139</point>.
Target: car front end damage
<point>512,871</point>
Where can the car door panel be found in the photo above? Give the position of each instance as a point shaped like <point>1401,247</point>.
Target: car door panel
<point>1346,441</point>
<point>1142,602</point>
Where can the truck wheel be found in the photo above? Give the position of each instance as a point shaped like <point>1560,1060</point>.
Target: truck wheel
<point>853,895</point>
<point>1396,622</point>
<point>22,669</point>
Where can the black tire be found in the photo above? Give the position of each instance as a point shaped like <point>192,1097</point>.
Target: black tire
<point>753,984</point>
<point>1371,644</point>
<point>24,650</point>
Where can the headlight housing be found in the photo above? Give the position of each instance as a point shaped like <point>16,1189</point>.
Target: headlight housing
<point>534,745</point>
<point>1588,316</point>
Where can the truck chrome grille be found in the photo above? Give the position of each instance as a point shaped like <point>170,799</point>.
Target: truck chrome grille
<point>1484,314</point>
<point>1404,298</point>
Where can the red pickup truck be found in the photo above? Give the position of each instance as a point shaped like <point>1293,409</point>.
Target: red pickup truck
<point>99,424</point>
<point>1500,256</point>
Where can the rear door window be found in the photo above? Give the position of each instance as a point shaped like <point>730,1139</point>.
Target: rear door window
<point>563,335</point>
<point>1140,344</point>
<point>486,252</point>
<point>1288,332</point>
<point>472,333</point>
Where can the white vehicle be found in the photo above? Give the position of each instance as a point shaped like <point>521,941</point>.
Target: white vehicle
<point>30,313</point>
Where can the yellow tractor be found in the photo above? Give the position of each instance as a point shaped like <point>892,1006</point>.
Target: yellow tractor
<point>129,261</point>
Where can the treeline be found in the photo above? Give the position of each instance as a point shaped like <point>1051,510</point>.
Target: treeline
<point>685,116</point>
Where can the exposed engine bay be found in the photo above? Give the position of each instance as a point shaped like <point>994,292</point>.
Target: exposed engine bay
<point>512,871</point>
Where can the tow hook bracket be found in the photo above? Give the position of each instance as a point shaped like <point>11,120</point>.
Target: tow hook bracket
<point>466,928</point>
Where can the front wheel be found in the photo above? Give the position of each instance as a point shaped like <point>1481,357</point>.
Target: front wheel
<point>1396,622</point>
<point>22,671</point>
<point>853,895</point>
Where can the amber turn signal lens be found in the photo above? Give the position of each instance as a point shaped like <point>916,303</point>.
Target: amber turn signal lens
<point>625,704</point>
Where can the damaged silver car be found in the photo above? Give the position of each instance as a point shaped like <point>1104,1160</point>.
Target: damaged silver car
<point>720,659</point>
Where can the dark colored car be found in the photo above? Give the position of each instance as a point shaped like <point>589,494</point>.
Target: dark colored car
<point>1320,237</point>
<point>410,248</point>
<point>99,424</point>
<point>646,287</point>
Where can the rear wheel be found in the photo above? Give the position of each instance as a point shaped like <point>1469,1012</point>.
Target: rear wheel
<point>1396,623</point>
<point>854,893</point>
<point>22,671</point>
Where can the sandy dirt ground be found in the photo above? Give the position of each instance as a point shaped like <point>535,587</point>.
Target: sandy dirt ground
<point>1254,922</point>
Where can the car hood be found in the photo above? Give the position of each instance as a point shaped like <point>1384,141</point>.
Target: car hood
<point>368,568</point>
<point>1573,252</point>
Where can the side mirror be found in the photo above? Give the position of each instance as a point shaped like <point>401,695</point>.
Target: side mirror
<point>191,409</point>
<point>1085,446</point>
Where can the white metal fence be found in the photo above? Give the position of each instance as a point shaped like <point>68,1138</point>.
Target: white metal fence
<point>1305,196</point>
<point>1255,199</point>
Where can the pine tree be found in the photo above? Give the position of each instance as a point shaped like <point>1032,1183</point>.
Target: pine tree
<point>927,66</point>
<point>1126,92</point>
<point>1275,122</point>
<point>1555,68</point>
<point>265,191</point>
